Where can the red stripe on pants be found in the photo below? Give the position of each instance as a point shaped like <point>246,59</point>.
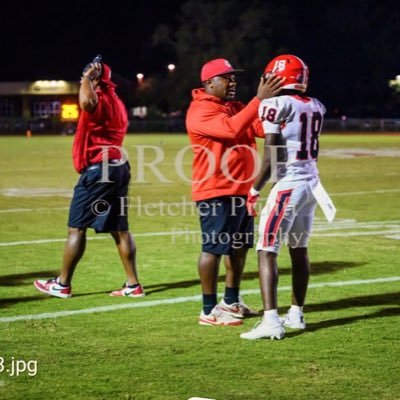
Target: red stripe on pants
<point>275,217</point>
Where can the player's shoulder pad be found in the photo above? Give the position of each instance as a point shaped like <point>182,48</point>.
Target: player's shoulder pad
<point>319,105</point>
<point>280,107</point>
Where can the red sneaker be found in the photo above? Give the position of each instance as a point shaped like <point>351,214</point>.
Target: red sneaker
<point>53,288</point>
<point>127,291</point>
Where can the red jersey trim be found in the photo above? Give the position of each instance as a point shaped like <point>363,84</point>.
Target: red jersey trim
<point>304,99</point>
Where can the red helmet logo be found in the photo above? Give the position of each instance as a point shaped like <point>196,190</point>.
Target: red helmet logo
<point>292,68</point>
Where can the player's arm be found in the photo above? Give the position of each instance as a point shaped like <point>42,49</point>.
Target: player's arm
<point>265,172</point>
<point>271,113</point>
<point>263,175</point>
<point>87,95</point>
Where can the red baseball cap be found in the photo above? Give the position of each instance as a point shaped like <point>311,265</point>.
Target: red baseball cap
<point>219,66</point>
<point>106,75</point>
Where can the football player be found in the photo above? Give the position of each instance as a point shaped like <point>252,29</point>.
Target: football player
<point>292,124</point>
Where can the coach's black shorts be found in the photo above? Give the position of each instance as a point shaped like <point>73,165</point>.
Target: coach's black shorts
<point>102,206</point>
<point>225,224</point>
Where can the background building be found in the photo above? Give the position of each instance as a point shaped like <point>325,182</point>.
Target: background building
<point>39,106</point>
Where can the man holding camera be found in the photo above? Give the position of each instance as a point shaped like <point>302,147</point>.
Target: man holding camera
<point>100,196</point>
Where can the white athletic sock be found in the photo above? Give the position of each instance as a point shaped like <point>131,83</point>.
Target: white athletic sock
<point>295,309</point>
<point>271,314</point>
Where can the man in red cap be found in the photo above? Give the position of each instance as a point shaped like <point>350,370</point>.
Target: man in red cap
<point>222,132</point>
<point>99,200</point>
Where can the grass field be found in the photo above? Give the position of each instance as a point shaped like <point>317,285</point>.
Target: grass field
<point>93,346</point>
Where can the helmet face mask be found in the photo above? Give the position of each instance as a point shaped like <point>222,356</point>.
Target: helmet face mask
<point>292,69</point>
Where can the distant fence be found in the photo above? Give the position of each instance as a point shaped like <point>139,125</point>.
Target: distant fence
<point>54,126</point>
<point>360,124</point>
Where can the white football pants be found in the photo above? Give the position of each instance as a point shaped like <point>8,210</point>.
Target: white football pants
<point>287,216</point>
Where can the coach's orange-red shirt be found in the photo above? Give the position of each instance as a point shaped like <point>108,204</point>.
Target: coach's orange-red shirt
<point>222,134</point>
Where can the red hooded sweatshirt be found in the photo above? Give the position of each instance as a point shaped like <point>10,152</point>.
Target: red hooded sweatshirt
<point>222,134</point>
<point>106,126</point>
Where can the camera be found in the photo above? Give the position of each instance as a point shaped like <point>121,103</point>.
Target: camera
<point>97,59</point>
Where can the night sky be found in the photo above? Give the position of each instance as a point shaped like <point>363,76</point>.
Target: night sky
<point>55,39</point>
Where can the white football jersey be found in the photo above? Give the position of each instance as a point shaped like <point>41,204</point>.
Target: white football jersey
<point>298,122</point>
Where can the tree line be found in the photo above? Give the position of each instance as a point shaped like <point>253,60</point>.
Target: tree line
<point>351,48</point>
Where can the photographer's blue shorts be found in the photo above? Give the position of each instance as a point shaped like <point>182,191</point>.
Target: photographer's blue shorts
<point>225,224</point>
<point>102,206</point>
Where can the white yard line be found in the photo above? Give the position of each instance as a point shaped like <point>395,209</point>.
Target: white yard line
<point>147,234</point>
<point>377,191</point>
<point>176,300</point>
<point>358,229</point>
<point>365,233</point>
<point>15,210</point>
<point>396,237</point>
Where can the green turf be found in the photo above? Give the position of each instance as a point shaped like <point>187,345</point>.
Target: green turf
<point>349,351</point>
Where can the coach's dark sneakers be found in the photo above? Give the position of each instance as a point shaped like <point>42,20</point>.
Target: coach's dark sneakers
<point>53,288</point>
<point>128,291</point>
